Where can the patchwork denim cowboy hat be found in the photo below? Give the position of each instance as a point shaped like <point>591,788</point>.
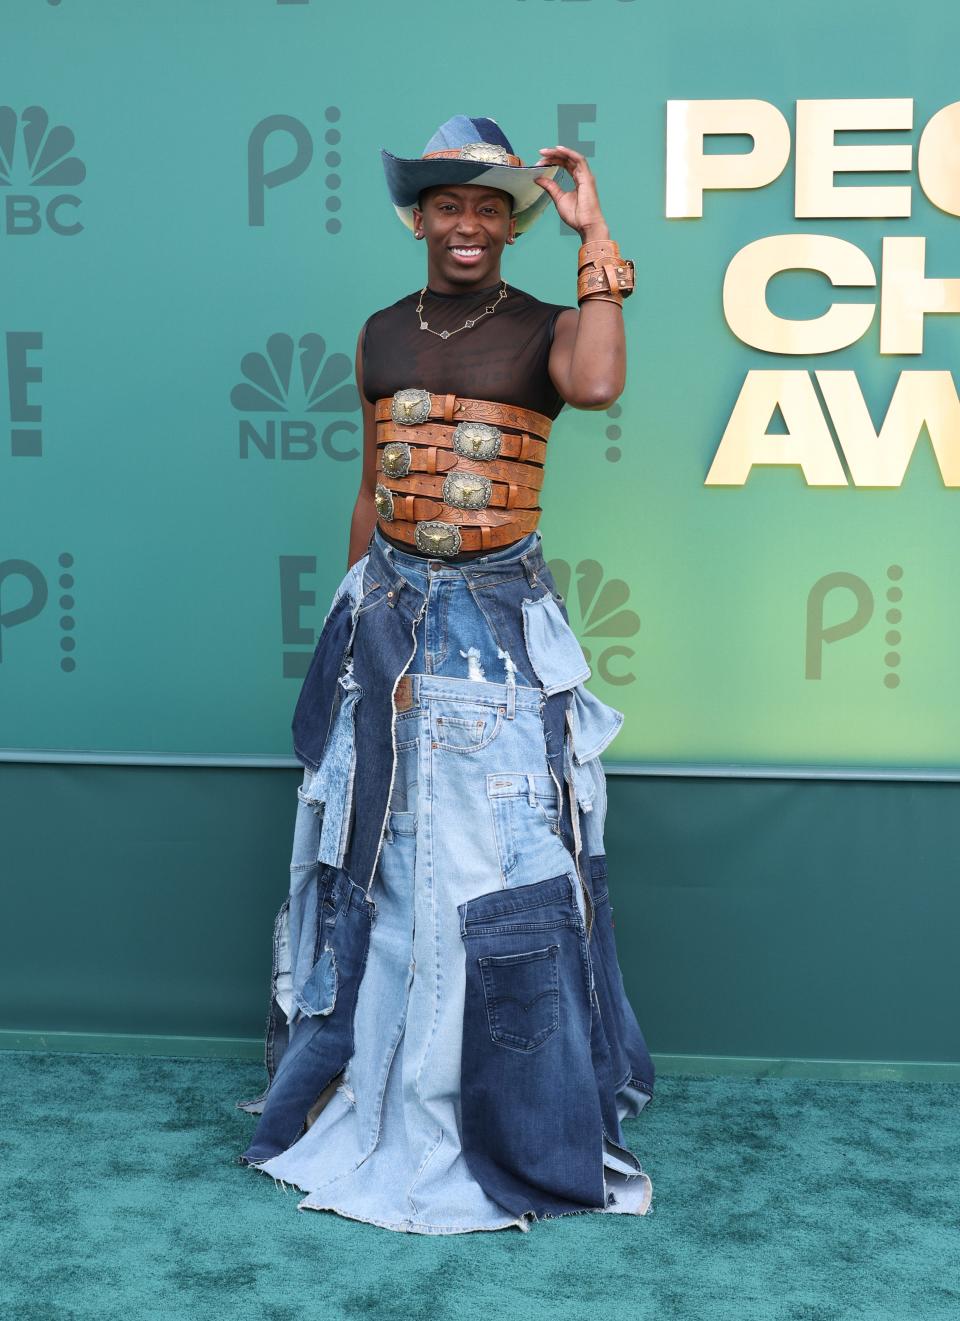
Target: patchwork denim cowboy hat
<point>468,150</point>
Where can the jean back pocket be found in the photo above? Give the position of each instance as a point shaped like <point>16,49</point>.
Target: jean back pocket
<point>522,994</point>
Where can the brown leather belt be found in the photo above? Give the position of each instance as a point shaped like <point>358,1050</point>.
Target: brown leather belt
<point>526,448</point>
<point>396,463</point>
<point>504,495</point>
<point>417,508</point>
<point>468,480</point>
<point>451,408</point>
<point>471,538</point>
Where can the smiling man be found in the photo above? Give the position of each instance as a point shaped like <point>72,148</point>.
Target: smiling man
<point>459,969</point>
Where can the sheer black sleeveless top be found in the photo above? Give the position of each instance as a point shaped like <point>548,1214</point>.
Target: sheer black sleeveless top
<point>503,357</point>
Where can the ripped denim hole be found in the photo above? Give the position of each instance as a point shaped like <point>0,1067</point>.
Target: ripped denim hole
<point>508,665</point>
<point>474,668</point>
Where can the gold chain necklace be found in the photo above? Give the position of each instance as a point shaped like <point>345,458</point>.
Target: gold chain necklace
<point>470,322</point>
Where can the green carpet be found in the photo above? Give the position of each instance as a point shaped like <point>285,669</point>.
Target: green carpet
<point>773,1198</point>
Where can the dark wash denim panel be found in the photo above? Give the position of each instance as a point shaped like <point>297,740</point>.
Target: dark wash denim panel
<point>631,1059</point>
<point>322,1040</point>
<point>313,714</point>
<point>530,1093</point>
<point>277,1034</point>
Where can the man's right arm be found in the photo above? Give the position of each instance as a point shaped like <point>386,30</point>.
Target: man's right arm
<point>365,510</point>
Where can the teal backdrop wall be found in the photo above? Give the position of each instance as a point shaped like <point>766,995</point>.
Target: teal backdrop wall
<point>193,226</point>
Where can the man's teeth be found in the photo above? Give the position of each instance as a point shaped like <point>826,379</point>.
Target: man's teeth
<point>467,252</point>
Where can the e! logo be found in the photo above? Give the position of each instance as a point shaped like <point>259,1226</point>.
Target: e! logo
<point>569,118</point>
<point>820,634</point>
<point>294,599</point>
<point>23,346</point>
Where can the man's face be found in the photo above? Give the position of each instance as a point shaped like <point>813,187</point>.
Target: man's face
<point>465,227</point>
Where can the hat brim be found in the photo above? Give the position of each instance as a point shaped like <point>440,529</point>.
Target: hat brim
<point>406,179</point>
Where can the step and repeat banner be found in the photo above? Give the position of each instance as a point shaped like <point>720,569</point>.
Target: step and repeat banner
<point>756,542</point>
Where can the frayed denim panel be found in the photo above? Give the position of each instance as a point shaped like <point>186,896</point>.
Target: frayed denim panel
<point>319,693</point>
<point>277,1034</point>
<point>527,1042</point>
<point>632,1062</point>
<point>330,791</point>
<point>322,1041</point>
<point>552,646</point>
<point>307,878</point>
<point>299,977</point>
<point>384,644</point>
<point>594,725</point>
<point>313,713</point>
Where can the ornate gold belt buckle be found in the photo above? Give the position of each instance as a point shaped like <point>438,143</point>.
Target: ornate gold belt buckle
<point>477,440</point>
<point>410,406</point>
<point>395,458</point>
<point>467,490</point>
<point>383,499</point>
<point>436,538</point>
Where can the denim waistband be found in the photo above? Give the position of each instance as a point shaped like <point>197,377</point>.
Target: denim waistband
<point>525,554</point>
<point>471,691</point>
<point>489,910</point>
<point>343,892</point>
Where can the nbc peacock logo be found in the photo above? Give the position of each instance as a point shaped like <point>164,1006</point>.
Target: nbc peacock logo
<point>36,154</point>
<point>598,614</point>
<point>307,390</point>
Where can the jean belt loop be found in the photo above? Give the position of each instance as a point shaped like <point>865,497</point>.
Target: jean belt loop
<point>531,792</point>
<point>529,569</point>
<point>511,701</point>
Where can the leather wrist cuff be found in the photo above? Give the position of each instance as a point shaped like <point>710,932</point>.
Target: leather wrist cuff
<point>598,250</point>
<point>601,270</point>
<point>612,277</point>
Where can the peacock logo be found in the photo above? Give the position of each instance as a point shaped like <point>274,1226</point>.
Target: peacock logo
<point>598,610</point>
<point>45,160</point>
<point>320,384</point>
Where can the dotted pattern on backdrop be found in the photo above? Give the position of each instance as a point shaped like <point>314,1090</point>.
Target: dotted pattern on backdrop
<point>894,616</point>
<point>68,622</point>
<point>334,160</point>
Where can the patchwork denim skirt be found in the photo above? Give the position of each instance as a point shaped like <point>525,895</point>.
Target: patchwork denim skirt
<point>449,1046</point>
